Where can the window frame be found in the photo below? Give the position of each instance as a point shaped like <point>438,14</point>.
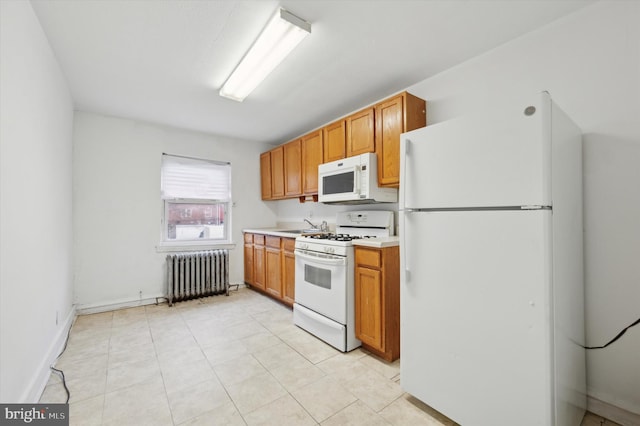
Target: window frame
<point>167,244</point>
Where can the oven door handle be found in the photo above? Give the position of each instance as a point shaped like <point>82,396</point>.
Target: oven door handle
<point>317,259</point>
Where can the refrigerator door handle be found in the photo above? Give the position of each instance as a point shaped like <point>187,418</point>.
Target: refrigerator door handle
<point>407,151</point>
<point>403,239</point>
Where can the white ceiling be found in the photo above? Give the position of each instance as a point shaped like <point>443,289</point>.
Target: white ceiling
<point>164,61</point>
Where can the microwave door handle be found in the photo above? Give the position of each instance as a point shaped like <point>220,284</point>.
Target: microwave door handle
<point>358,183</point>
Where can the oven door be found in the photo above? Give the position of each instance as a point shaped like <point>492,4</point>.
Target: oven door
<point>321,284</point>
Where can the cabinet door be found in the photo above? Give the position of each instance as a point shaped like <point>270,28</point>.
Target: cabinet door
<point>311,159</point>
<point>389,126</point>
<point>360,133</point>
<point>289,277</point>
<point>334,141</point>
<point>277,172</point>
<point>258,266</point>
<point>394,116</point>
<point>265,175</point>
<point>368,304</point>
<point>248,258</point>
<point>274,271</point>
<point>293,168</point>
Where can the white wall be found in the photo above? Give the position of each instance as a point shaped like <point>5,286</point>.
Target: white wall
<point>117,207</point>
<point>36,114</point>
<point>590,63</point>
<point>293,211</point>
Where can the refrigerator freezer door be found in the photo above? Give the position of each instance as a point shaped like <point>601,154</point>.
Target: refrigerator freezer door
<point>475,315</point>
<point>498,158</point>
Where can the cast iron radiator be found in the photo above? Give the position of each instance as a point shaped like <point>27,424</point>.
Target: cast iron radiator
<point>197,274</point>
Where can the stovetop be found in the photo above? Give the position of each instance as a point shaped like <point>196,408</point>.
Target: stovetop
<point>338,237</point>
<point>350,226</point>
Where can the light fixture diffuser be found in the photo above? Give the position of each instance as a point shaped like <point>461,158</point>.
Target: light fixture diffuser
<point>283,32</point>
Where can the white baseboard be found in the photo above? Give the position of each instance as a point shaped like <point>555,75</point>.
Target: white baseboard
<point>611,412</point>
<point>34,391</point>
<point>94,308</point>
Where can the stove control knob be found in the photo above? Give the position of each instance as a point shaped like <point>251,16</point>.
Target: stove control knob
<point>329,250</point>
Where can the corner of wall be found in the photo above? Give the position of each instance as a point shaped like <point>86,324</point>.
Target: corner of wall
<point>34,390</point>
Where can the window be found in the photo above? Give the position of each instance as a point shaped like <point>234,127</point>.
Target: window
<point>196,196</point>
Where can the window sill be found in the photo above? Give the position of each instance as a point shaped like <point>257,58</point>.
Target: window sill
<point>193,246</point>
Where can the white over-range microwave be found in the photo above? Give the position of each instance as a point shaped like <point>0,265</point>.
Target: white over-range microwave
<point>353,180</point>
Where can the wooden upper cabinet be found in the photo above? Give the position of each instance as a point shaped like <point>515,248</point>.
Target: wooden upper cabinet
<point>277,172</point>
<point>335,145</point>
<point>394,116</point>
<point>311,158</point>
<point>265,175</point>
<point>293,168</point>
<point>360,132</point>
<point>389,126</point>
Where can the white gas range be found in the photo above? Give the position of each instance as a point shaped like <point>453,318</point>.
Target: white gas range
<point>325,265</point>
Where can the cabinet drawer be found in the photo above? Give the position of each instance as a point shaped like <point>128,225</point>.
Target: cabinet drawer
<point>368,257</point>
<point>289,244</point>
<point>258,239</point>
<point>273,242</point>
<point>248,238</point>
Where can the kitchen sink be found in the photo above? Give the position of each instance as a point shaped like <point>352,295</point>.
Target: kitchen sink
<point>301,231</point>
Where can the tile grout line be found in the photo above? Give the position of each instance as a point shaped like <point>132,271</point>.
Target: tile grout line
<point>155,352</point>
<point>226,391</point>
<point>106,376</point>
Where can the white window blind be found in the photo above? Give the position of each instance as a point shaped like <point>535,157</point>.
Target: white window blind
<point>190,178</point>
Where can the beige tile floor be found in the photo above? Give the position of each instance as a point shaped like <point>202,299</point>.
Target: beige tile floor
<point>234,360</point>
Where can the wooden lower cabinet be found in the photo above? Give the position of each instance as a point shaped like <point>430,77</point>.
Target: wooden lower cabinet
<point>369,307</point>
<point>288,270</point>
<point>259,271</point>
<point>248,258</point>
<point>269,266</point>
<point>273,264</point>
<point>377,300</point>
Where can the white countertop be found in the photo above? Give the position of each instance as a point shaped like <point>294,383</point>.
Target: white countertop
<point>379,242</point>
<point>277,232</point>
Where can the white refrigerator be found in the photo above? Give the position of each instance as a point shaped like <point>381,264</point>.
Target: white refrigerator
<point>492,299</point>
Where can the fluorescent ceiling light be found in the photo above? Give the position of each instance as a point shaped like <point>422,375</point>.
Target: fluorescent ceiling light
<point>283,32</point>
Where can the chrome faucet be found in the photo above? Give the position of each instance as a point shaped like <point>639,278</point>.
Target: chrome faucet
<point>324,226</point>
